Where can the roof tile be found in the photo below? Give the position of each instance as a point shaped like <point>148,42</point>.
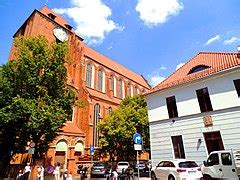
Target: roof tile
<point>217,61</point>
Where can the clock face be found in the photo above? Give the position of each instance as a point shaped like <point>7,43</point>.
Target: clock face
<point>60,34</point>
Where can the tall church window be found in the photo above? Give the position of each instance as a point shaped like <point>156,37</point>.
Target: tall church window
<point>89,74</point>
<point>109,110</point>
<point>135,90</point>
<point>113,85</point>
<point>120,88</point>
<point>96,120</point>
<point>129,89</point>
<point>100,80</point>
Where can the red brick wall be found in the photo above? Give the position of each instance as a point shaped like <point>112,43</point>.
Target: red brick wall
<point>38,24</point>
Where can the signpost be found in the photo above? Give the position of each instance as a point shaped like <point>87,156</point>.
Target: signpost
<point>137,139</point>
<point>91,152</point>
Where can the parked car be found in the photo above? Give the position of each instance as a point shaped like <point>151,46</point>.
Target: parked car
<point>99,169</point>
<point>121,166</point>
<point>222,164</point>
<point>142,166</point>
<point>176,169</point>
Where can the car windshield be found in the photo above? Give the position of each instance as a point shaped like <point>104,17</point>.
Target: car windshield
<point>123,164</point>
<point>98,164</point>
<point>188,164</point>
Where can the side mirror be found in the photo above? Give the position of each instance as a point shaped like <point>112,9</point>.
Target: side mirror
<point>205,163</point>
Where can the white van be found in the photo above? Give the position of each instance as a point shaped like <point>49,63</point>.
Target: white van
<point>222,164</point>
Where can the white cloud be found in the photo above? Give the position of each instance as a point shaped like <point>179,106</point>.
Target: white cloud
<point>155,77</point>
<point>179,65</point>
<point>155,80</point>
<point>91,18</point>
<point>211,40</point>
<point>231,40</point>
<point>155,12</point>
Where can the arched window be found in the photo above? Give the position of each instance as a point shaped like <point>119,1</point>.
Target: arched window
<point>198,68</point>
<point>129,89</point>
<point>72,116</point>
<point>135,90</point>
<point>109,110</point>
<point>89,75</point>
<point>61,146</point>
<point>79,147</point>
<point>100,80</point>
<point>120,88</point>
<point>113,85</point>
<point>111,82</point>
<point>96,120</point>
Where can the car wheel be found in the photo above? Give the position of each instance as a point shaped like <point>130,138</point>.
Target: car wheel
<point>170,177</point>
<point>153,176</point>
<point>207,177</point>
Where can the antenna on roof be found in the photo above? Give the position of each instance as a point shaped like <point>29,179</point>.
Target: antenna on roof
<point>46,2</point>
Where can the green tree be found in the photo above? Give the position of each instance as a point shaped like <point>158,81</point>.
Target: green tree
<point>117,129</point>
<point>35,100</point>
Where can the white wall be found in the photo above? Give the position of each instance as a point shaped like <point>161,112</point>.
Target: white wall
<point>189,124</point>
<point>221,90</point>
<point>192,129</point>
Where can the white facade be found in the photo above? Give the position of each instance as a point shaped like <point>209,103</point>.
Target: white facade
<point>189,123</point>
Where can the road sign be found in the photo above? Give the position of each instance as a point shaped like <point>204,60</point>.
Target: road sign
<point>31,150</point>
<point>137,147</point>
<point>91,150</point>
<point>137,138</point>
<point>32,144</point>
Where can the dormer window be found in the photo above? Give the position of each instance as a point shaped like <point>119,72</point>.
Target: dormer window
<point>198,69</point>
<point>68,27</point>
<point>52,16</point>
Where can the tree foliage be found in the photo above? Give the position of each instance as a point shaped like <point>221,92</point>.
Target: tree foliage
<point>118,129</point>
<point>35,100</point>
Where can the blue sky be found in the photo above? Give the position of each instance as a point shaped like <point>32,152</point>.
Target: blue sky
<point>150,37</point>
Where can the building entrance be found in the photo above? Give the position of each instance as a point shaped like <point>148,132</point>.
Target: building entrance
<point>213,141</point>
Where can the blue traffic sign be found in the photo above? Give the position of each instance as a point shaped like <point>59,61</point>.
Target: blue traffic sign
<point>137,138</point>
<point>92,150</point>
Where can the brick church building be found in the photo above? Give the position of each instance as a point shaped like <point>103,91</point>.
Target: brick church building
<point>102,82</point>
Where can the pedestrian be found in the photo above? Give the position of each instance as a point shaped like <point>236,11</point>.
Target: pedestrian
<point>69,176</point>
<point>20,175</point>
<point>56,172</point>
<point>65,175</point>
<point>114,175</point>
<point>40,172</point>
<point>27,170</point>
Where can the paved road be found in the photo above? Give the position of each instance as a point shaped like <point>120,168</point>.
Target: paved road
<point>135,178</point>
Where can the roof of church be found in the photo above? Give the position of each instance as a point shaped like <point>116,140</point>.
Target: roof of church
<point>202,65</point>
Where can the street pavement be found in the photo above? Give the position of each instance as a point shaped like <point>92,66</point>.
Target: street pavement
<point>142,177</point>
<point>135,178</point>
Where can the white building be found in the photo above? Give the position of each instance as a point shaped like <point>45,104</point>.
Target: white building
<point>196,109</point>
